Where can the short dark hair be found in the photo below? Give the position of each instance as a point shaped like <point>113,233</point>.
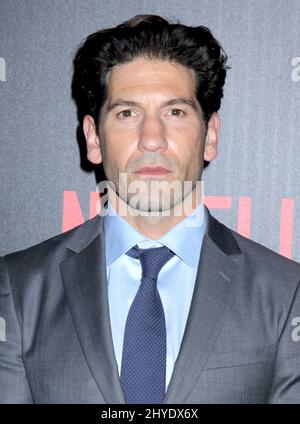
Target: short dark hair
<point>156,38</point>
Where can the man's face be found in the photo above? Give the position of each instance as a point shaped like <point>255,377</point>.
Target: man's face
<point>151,128</point>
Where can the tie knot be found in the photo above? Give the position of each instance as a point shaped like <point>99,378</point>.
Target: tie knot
<point>152,260</point>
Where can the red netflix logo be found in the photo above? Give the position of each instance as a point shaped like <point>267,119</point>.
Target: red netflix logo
<point>73,216</point>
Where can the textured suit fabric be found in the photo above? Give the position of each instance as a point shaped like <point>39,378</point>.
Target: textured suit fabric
<point>237,346</point>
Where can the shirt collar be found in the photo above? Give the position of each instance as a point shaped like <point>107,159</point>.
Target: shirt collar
<point>184,239</point>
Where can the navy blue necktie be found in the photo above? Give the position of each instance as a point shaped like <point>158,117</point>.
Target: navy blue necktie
<point>143,369</point>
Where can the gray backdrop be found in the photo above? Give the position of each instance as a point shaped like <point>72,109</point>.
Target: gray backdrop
<point>258,161</point>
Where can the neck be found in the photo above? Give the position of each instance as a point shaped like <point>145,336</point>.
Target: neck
<point>154,224</point>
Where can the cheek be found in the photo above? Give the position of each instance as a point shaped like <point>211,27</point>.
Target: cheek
<point>119,140</point>
<point>189,153</point>
<point>188,131</point>
<point>117,153</point>
<point>186,142</point>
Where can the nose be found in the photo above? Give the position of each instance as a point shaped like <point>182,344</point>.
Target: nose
<point>152,134</point>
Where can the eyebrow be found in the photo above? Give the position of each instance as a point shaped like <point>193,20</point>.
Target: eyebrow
<point>121,102</point>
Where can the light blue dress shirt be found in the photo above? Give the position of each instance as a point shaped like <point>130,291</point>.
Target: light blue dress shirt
<point>175,283</point>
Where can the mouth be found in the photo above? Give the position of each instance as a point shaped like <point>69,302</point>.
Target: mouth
<point>152,170</point>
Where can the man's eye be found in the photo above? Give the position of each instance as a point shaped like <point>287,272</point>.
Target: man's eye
<point>126,114</point>
<point>177,112</point>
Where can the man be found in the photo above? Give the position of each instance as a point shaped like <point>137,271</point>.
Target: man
<point>153,301</point>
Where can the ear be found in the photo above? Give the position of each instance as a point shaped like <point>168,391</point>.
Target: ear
<point>92,140</point>
<point>211,139</point>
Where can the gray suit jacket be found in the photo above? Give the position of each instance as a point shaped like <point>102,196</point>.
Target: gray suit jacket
<point>240,343</point>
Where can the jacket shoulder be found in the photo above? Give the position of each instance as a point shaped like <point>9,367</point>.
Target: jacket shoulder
<point>253,257</point>
<point>47,249</point>
<point>268,265</point>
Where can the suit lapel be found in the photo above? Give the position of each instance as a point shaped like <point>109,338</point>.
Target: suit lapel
<point>85,282</point>
<point>218,276</point>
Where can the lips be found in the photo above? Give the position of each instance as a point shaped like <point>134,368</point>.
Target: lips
<point>152,170</point>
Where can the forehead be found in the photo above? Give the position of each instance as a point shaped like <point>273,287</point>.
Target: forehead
<point>144,76</point>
